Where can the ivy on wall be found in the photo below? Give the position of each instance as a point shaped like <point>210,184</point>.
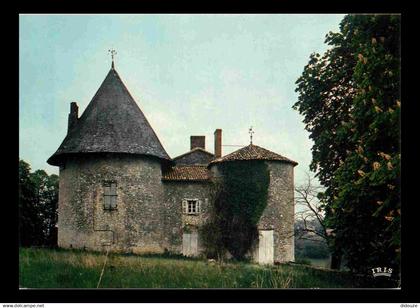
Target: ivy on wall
<point>241,197</point>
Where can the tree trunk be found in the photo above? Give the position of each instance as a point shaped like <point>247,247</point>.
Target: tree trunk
<point>336,260</point>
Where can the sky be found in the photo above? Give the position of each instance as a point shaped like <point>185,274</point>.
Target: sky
<point>189,74</point>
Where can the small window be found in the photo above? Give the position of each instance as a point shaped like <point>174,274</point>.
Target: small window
<point>191,206</point>
<point>110,196</point>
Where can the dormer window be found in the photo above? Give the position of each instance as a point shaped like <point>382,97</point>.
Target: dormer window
<point>110,195</point>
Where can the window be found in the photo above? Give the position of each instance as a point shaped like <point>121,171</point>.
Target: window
<point>191,206</point>
<point>110,196</point>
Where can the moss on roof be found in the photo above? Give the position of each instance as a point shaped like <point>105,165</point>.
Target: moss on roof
<point>111,123</point>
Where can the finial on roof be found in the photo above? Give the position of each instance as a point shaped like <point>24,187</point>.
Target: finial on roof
<point>112,52</point>
<point>251,132</point>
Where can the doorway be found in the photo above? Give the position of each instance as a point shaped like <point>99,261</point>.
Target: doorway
<point>190,244</point>
<point>266,247</point>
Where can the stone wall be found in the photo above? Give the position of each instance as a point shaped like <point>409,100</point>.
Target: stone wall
<point>175,221</point>
<point>135,225</point>
<point>149,217</point>
<point>279,213</point>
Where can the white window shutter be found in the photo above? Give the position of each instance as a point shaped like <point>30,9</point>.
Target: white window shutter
<point>184,206</point>
<point>107,201</point>
<point>106,190</point>
<point>113,189</point>
<point>199,206</point>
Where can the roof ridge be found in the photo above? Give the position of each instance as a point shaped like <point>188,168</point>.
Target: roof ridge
<point>191,151</point>
<point>112,123</point>
<point>141,111</point>
<point>245,154</point>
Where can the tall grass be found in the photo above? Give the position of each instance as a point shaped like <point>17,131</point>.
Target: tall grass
<point>46,268</point>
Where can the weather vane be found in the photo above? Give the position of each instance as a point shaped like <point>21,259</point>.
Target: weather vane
<point>251,132</point>
<point>113,53</point>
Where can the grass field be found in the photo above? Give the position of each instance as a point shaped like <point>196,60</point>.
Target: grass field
<point>58,268</point>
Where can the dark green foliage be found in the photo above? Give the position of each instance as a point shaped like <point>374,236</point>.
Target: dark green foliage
<point>29,220</point>
<point>350,99</point>
<point>38,201</point>
<point>211,235</point>
<point>312,249</point>
<point>240,202</point>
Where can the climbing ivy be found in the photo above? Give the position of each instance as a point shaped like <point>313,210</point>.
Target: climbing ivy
<point>240,200</point>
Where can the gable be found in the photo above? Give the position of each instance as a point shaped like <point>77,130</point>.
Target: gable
<point>195,157</point>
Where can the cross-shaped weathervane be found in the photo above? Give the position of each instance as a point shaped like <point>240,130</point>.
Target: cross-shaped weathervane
<point>113,53</point>
<point>251,132</point>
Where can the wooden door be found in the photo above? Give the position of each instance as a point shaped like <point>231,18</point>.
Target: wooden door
<point>266,247</point>
<point>190,244</point>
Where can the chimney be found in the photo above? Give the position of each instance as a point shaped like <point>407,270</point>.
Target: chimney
<point>198,142</point>
<point>218,143</point>
<point>73,116</point>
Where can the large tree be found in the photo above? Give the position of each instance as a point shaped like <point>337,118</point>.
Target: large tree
<point>38,200</point>
<point>29,220</point>
<point>350,100</point>
<point>311,217</point>
<point>46,201</point>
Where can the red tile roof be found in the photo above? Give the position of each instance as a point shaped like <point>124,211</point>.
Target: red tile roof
<point>253,152</point>
<point>187,173</point>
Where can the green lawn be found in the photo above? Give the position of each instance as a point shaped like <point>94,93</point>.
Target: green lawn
<point>58,268</point>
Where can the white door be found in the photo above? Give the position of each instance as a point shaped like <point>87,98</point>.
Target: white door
<point>190,244</point>
<point>265,247</point>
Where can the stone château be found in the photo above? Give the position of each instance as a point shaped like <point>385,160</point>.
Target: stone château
<point>120,190</point>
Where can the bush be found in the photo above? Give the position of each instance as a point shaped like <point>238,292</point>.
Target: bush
<point>211,235</point>
<point>310,249</point>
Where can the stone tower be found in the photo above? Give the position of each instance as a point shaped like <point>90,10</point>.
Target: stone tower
<point>111,164</point>
<point>276,225</point>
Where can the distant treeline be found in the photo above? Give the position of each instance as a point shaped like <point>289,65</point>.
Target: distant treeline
<point>308,245</point>
<point>38,201</point>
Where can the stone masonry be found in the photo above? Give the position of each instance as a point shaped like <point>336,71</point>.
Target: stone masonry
<point>135,225</point>
<point>113,145</point>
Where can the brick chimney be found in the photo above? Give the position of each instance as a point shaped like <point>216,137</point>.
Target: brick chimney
<point>73,116</point>
<point>218,143</point>
<point>198,142</point>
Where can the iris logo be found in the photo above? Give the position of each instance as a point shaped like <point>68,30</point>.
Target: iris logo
<point>382,271</point>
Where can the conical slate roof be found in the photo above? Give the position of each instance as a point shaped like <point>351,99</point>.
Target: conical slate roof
<point>253,152</point>
<point>111,123</point>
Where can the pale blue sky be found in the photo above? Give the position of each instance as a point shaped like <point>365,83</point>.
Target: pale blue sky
<point>190,74</point>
